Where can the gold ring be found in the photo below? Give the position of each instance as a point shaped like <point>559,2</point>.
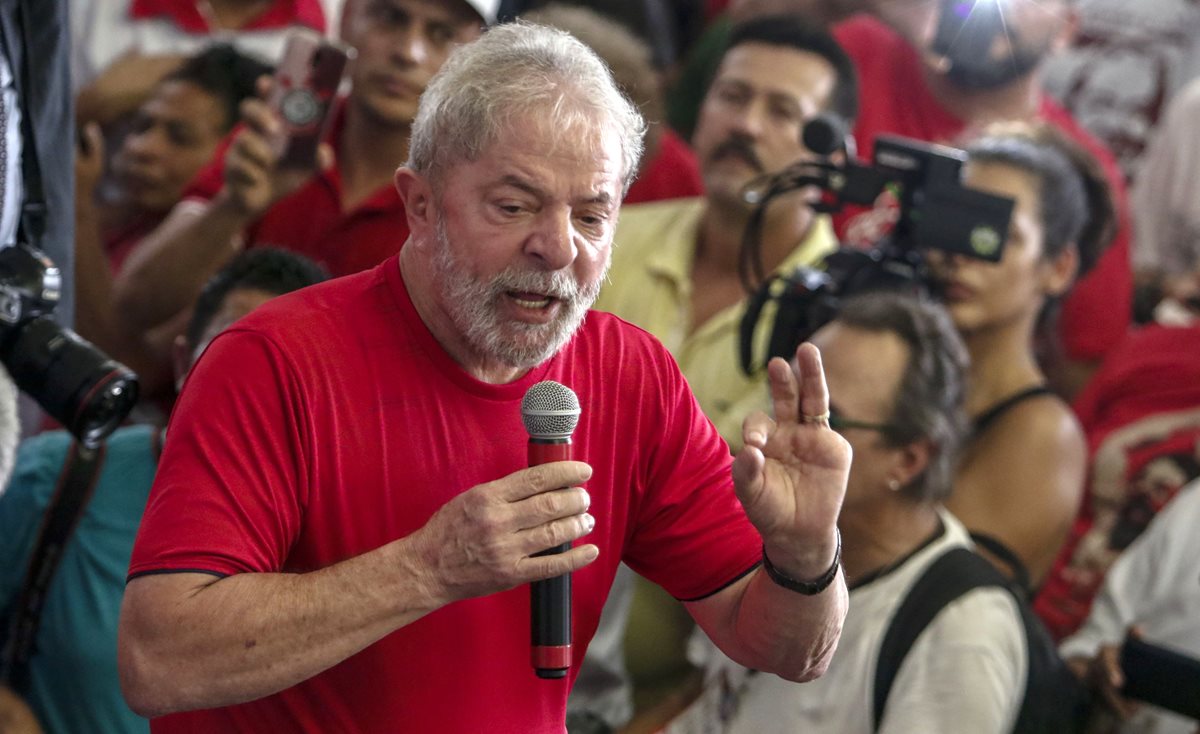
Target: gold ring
<point>822,418</point>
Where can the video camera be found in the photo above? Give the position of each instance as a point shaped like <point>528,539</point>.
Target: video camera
<point>935,211</point>
<point>76,384</point>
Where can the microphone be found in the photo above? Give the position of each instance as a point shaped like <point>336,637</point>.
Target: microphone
<point>827,134</point>
<point>550,412</point>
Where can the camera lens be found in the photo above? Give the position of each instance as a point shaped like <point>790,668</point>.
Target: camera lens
<point>77,384</point>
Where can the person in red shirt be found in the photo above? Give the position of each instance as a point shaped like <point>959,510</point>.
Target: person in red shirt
<point>344,213</point>
<point>172,136</point>
<point>343,522</point>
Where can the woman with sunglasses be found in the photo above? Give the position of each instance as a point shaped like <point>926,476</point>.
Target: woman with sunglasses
<point>1021,478</point>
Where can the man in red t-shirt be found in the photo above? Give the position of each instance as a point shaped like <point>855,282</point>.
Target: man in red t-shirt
<point>341,527</point>
<point>343,213</point>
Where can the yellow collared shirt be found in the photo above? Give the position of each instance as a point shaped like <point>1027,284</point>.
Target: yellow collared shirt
<point>650,285</point>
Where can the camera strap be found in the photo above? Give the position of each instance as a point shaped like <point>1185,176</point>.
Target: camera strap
<point>75,486</point>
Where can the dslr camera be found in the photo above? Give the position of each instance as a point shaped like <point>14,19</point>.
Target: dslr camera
<point>75,383</point>
<point>935,211</point>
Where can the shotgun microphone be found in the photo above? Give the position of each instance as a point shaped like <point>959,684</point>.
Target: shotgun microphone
<point>550,412</point>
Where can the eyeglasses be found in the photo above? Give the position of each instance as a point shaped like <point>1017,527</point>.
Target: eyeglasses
<point>839,423</point>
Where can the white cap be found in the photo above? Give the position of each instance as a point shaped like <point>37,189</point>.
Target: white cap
<point>486,9</point>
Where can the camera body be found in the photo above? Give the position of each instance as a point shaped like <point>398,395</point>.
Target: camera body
<point>935,211</point>
<point>76,384</point>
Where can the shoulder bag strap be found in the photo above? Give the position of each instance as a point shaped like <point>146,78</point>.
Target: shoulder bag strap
<point>75,487</point>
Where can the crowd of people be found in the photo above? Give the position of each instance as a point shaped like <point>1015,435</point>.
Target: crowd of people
<point>320,515</point>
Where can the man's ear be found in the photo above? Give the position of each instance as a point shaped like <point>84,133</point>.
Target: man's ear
<point>1058,273</point>
<point>417,196</point>
<point>914,458</point>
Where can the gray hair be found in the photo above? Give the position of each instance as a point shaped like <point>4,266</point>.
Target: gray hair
<point>518,69</point>
<point>929,403</point>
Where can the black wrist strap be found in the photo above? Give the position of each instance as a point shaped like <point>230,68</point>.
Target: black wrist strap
<point>75,486</point>
<point>808,588</point>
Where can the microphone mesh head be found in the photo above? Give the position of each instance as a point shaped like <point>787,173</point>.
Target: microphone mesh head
<point>550,410</point>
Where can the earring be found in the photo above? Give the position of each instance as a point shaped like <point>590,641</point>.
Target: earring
<point>893,484</point>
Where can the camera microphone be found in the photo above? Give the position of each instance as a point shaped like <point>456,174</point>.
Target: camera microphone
<point>550,412</point>
<point>826,134</point>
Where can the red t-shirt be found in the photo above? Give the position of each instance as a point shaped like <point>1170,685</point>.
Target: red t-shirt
<point>330,422</point>
<point>673,173</point>
<point>187,15</point>
<point>895,100</point>
<point>310,220</point>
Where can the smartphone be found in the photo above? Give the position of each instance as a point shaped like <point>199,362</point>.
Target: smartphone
<point>306,83</point>
<point>1160,676</point>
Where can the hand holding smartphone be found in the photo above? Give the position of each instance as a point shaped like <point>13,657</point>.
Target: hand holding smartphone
<point>306,84</point>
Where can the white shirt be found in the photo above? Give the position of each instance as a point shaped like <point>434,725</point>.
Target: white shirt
<point>965,673</point>
<point>10,213</point>
<point>1155,584</point>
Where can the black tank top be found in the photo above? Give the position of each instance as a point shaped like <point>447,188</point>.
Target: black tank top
<point>990,415</point>
<point>1017,570</point>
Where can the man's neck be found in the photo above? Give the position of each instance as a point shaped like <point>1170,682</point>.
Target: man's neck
<point>875,540</point>
<point>369,153</point>
<point>418,279</point>
<point>722,232</point>
<point>1018,100</point>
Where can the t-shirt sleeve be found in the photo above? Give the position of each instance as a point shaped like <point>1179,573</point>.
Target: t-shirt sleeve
<point>231,486</point>
<point>691,535</point>
<point>966,672</point>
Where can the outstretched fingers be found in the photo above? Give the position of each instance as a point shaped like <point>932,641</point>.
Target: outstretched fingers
<point>814,392</point>
<point>785,391</point>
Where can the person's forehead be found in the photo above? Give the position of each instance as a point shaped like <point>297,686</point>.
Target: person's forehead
<point>456,12</point>
<point>861,365</point>
<point>534,149</point>
<point>776,68</point>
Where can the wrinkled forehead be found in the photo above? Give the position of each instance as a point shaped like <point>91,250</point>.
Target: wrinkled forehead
<point>565,140</point>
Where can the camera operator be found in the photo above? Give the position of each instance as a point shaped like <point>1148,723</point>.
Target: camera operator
<point>912,88</point>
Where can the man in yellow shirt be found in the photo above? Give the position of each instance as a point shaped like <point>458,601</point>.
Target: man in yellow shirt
<point>675,273</point>
<point>675,263</point>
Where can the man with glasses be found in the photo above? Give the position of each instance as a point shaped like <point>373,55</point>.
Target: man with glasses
<point>895,369</point>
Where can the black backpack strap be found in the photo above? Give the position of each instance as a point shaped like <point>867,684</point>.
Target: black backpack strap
<point>956,572</point>
<point>75,486</point>
<point>1016,567</point>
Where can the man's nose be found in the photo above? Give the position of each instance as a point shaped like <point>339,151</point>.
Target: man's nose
<point>748,121</point>
<point>411,46</point>
<point>554,241</point>
<point>144,144</point>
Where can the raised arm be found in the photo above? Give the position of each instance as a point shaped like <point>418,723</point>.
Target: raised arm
<point>790,477</point>
<point>166,272</point>
<point>190,640</point>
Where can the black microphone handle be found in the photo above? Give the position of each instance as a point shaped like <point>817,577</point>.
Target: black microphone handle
<point>550,622</point>
<point>550,599</point>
